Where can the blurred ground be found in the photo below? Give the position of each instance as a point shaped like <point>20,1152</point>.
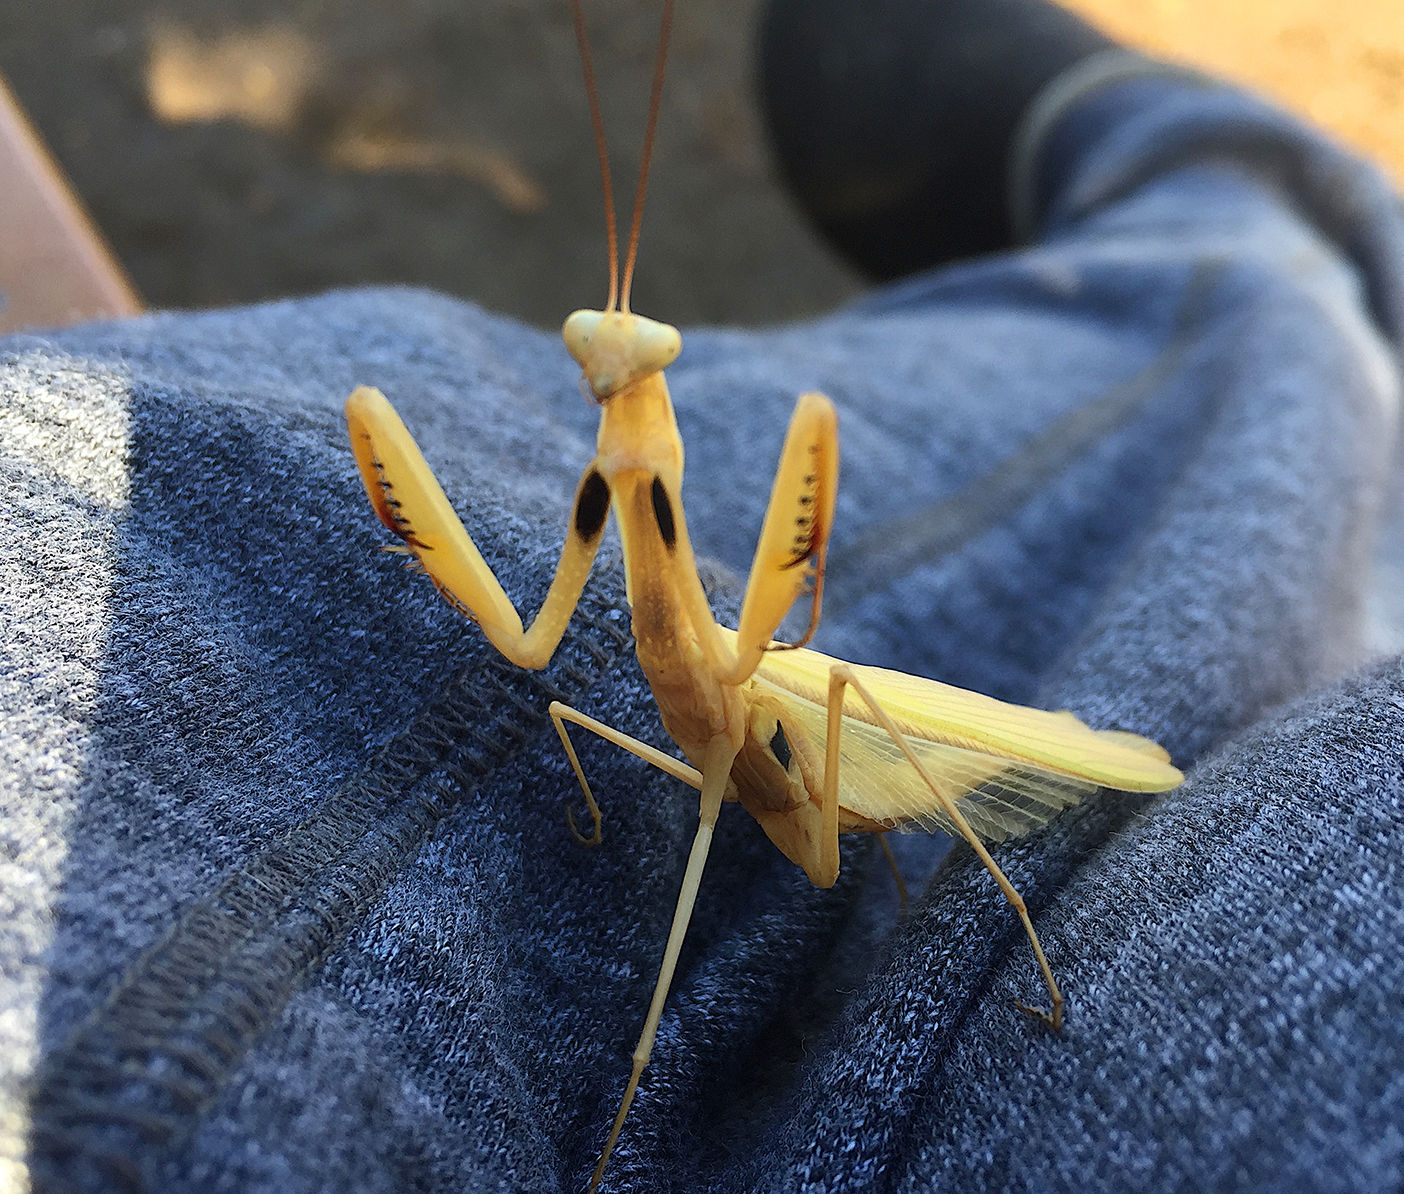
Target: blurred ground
<point>234,150</point>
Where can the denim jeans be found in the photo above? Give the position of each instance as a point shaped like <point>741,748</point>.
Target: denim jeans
<point>290,904</point>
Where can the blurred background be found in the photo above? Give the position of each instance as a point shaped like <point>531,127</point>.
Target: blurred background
<point>236,150</point>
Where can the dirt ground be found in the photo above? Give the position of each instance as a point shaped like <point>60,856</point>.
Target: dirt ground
<point>234,150</point>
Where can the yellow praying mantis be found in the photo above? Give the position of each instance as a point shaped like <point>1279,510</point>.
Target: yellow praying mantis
<point>811,746</point>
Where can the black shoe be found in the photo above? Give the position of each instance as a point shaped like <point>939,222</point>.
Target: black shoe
<point>892,120</point>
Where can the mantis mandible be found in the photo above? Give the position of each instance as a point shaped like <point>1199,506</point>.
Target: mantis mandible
<point>811,746</point>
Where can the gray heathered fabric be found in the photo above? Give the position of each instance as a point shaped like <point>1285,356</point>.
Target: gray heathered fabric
<point>286,899</point>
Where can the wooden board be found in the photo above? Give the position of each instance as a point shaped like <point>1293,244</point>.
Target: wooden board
<point>55,268</point>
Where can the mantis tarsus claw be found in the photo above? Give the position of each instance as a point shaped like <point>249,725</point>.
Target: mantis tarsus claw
<point>594,839</point>
<point>1052,1020</point>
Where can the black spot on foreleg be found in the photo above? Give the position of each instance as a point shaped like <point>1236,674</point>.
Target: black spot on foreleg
<point>663,514</point>
<point>591,506</point>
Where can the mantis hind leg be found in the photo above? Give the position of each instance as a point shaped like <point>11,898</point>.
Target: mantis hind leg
<point>896,874</point>
<point>840,676</point>
<point>562,713</point>
<point>711,782</point>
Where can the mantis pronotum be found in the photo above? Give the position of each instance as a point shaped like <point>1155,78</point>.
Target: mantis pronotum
<point>811,746</point>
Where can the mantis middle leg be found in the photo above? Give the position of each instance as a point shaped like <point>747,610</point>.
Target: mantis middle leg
<point>562,713</point>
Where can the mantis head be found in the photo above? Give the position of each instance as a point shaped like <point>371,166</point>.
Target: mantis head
<point>614,347</point>
<point>617,348</point>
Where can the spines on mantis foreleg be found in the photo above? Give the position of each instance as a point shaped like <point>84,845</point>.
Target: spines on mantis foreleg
<point>409,500</point>
<point>795,534</point>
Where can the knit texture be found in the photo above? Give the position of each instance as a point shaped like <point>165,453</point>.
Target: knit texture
<point>287,901</point>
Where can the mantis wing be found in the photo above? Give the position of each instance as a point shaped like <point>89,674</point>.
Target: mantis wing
<point>1009,768</point>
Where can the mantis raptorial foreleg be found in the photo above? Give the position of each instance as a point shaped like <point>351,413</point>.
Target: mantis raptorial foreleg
<point>562,713</point>
<point>795,531</point>
<point>410,501</point>
<point>840,676</point>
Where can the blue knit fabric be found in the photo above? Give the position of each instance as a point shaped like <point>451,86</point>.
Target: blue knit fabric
<point>289,902</point>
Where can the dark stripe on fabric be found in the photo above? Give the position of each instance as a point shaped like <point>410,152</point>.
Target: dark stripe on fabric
<point>129,1083</point>
<point>890,550</point>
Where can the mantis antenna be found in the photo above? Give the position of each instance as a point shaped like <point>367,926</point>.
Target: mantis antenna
<point>619,294</point>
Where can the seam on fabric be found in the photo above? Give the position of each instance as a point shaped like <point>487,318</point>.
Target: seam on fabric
<point>1093,73</point>
<point>890,550</point>
<point>129,1083</point>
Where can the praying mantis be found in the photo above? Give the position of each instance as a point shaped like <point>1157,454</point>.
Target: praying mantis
<point>811,746</point>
